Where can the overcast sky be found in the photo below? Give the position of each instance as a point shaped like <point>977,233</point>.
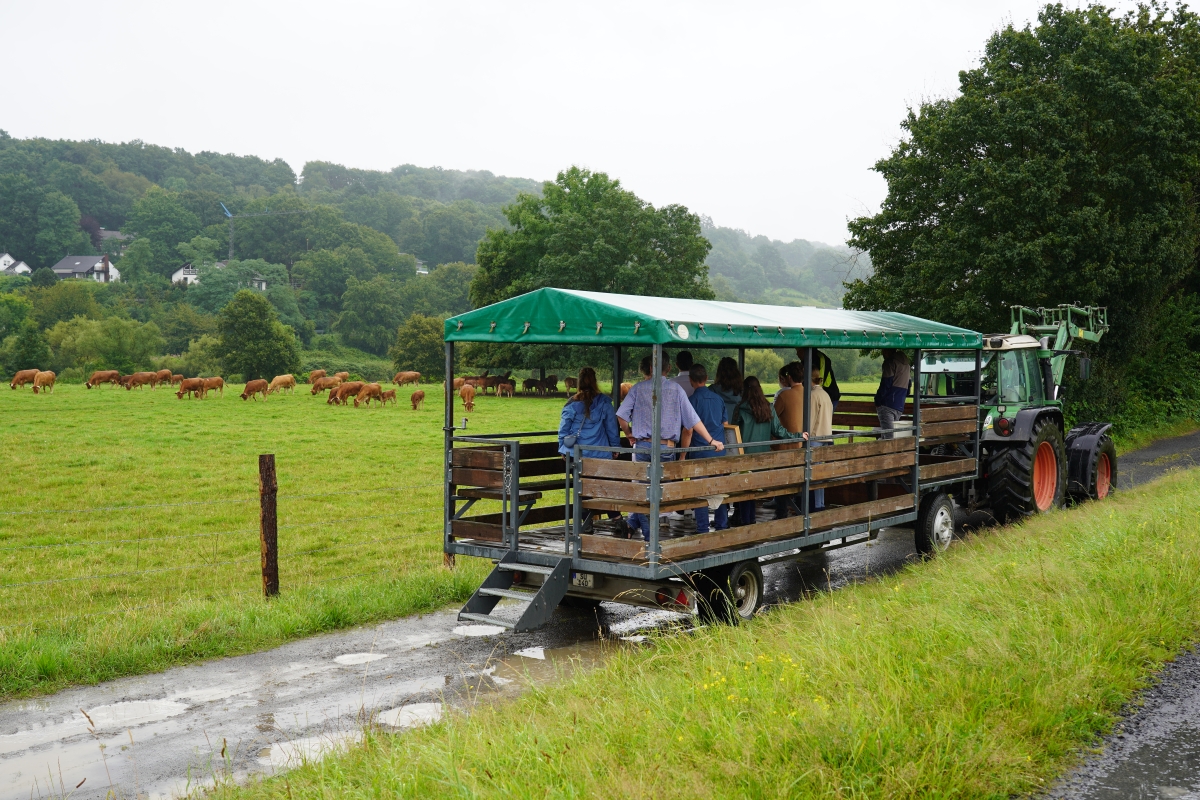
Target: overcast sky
<point>764,116</point>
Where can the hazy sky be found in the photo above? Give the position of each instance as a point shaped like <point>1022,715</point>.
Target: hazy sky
<point>765,116</point>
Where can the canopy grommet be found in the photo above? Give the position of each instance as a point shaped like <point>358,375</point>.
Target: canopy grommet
<point>562,323</point>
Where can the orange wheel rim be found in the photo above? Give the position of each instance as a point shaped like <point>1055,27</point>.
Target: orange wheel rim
<point>1045,476</point>
<point>1103,476</point>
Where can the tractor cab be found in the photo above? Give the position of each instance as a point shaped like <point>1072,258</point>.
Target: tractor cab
<point>1013,374</point>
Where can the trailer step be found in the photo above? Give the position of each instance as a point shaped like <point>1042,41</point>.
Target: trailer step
<point>514,566</point>
<point>509,593</point>
<point>485,619</point>
<point>499,584</point>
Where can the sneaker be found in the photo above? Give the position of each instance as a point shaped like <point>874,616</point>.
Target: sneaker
<point>677,516</point>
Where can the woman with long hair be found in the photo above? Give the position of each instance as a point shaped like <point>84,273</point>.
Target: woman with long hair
<point>590,418</point>
<point>758,422</point>
<point>728,385</point>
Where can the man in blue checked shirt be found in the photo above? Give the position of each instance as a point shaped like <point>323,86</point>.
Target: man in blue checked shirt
<point>636,418</point>
<point>710,408</point>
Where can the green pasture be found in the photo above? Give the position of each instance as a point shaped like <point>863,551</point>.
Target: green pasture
<point>983,673</point>
<point>129,523</point>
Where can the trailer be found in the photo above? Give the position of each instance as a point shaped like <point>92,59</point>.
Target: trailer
<point>548,552</point>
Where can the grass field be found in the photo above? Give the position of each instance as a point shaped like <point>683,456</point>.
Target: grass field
<point>980,674</point>
<point>129,523</point>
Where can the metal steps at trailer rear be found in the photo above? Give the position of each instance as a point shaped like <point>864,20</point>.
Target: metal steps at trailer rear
<point>498,585</point>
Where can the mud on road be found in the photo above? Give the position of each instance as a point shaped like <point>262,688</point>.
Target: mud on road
<point>165,734</point>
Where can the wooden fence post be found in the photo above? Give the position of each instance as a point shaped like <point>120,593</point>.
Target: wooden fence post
<point>268,521</point>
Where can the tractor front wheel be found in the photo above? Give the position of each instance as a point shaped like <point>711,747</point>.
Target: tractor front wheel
<point>1028,478</point>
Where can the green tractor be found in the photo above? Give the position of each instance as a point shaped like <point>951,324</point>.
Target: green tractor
<point>1030,462</point>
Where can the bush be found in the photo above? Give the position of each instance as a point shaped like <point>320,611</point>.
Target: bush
<point>764,365</point>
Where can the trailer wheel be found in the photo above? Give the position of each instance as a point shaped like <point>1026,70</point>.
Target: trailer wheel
<point>1029,477</point>
<point>731,595</point>
<point>935,524</point>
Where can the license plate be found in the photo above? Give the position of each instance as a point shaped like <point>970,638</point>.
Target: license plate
<point>584,580</point>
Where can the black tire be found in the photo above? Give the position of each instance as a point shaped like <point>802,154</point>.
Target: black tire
<point>1101,482</point>
<point>732,594</point>
<point>935,524</point>
<point>1012,494</point>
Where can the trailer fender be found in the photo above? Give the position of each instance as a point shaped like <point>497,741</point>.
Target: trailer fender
<point>1085,447</point>
<point>1023,425</point>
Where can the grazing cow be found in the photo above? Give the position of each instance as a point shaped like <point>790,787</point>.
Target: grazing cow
<point>214,383</point>
<point>418,397</point>
<point>23,377</point>
<point>43,381</point>
<point>104,376</point>
<point>531,385</point>
<point>343,375</point>
<point>459,383</point>
<point>325,383</point>
<point>282,383</point>
<point>162,376</point>
<point>176,379</point>
<point>403,378</point>
<point>390,394</point>
<point>467,393</point>
<point>140,379</point>
<point>316,373</point>
<point>341,395</point>
<point>505,389</point>
<point>571,383</point>
<point>254,388</point>
<point>550,384</point>
<point>369,392</point>
<point>492,381</point>
<point>191,386</point>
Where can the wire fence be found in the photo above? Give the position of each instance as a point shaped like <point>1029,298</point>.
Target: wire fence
<point>362,540</point>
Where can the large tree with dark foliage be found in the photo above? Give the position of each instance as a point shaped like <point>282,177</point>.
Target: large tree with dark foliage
<point>252,340</point>
<point>1065,171</point>
<point>587,232</point>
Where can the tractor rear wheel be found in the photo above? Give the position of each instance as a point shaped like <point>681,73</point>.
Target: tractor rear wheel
<point>1030,477</point>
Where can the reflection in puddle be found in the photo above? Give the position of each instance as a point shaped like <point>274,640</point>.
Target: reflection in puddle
<point>354,659</point>
<point>532,652</point>
<point>479,630</point>
<point>411,715</point>
<point>134,712</point>
<point>289,755</point>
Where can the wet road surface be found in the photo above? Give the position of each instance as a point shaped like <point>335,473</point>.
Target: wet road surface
<point>161,735</point>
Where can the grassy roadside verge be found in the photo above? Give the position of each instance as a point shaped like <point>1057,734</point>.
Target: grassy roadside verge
<point>979,674</point>
<point>1137,438</point>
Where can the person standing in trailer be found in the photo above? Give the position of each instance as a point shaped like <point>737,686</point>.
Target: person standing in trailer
<point>588,419</point>
<point>710,408</point>
<point>893,390</point>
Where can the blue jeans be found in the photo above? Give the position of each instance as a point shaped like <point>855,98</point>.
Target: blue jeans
<point>745,512</point>
<point>641,522</point>
<point>816,497</point>
<point>722,516</point>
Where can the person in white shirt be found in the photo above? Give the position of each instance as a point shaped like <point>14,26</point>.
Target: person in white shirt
<point>683,362</point>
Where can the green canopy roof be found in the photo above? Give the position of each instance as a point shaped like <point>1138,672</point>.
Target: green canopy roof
<point>567,316</point>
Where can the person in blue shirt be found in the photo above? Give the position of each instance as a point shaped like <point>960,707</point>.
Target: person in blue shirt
<point>589,418</point>
<point>710,408</point>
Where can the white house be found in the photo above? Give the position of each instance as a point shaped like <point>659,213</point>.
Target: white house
<point>187,274</point>
<point>95,268</point>
<point>10,266</point>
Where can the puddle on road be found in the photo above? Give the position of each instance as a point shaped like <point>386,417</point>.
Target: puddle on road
<point>532,652</point>
<point>410,716</point>
<point>132,713</point>
<point>354,659</point>
<point>479,630</point>
<point>289,755</point>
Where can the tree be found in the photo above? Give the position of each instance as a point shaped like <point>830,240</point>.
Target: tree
<point>420,346</point>
<point>445,290</point>
<point>587,232</point>
<point>183,324</point>
<point>29,350</point>
<point>163,221</point>
<point>137,265</point>
<point>252,340</point>
<point>112,343</point>
<point>59,233</point>
<point>14,310</point>
<point>63,301</point>
<point>371,311</point>
<point>1065,171</point>
<point>43,277</point>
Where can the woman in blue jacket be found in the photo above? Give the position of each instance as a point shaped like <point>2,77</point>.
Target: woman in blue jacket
<point>589,418</point>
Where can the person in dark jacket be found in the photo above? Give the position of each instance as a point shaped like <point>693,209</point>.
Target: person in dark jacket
<point>758,422</point>
<point>710,408</point>
<point>893,389</point>
<point>589,418</point>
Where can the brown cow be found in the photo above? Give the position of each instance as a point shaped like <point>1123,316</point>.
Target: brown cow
<point>467,393</point>
<point>550,384</point>
<point>23,377</point>
<point>325,383</point>
<point>176,379</point>
<point>191,386</point>
<point>571,383</point>
<point>316,373</point>
<point>418,397</point>
<point>140,379</point>
<point>162,376</point>
<point>214,383</point>
<point>369,392</point>
<point>44,381</point>
<point>406,377</point>
<point>342,393</point>
<point>390,394</point>
<point>459,383</point>
<point>282,383</point>
<point>531,385</point>
<point>104,376</point>
<point>505,389</point>
<point>343,375</point>
<point>625,387</point>
<point>253,388</point>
